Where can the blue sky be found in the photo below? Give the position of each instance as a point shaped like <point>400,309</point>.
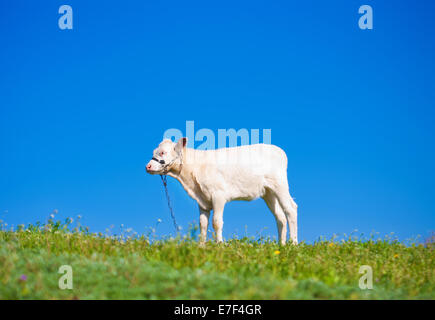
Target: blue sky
<point>81,110</point>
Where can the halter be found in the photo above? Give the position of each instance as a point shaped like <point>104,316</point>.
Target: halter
<point>159,161</point>
<point>167,165</point>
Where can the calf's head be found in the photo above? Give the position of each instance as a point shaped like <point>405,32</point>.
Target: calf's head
<point>167,155</point>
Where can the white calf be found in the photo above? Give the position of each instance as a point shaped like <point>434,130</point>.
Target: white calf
<point>215,177</point>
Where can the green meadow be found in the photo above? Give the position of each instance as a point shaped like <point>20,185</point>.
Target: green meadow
<point>128,266</point>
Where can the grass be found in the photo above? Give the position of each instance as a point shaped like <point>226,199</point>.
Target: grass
<point>137,267</point>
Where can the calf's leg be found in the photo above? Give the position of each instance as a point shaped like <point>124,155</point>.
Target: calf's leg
<point>281,222</point>
<point>218,221</point>
<point>290,209</point>
<point>204,216</point>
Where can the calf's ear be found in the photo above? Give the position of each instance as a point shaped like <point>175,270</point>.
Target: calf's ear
<point>181,144</point>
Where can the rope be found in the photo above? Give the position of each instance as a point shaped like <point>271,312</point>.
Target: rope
<point>163,177</point>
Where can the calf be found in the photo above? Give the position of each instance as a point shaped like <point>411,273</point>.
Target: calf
<point>215,177</point>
